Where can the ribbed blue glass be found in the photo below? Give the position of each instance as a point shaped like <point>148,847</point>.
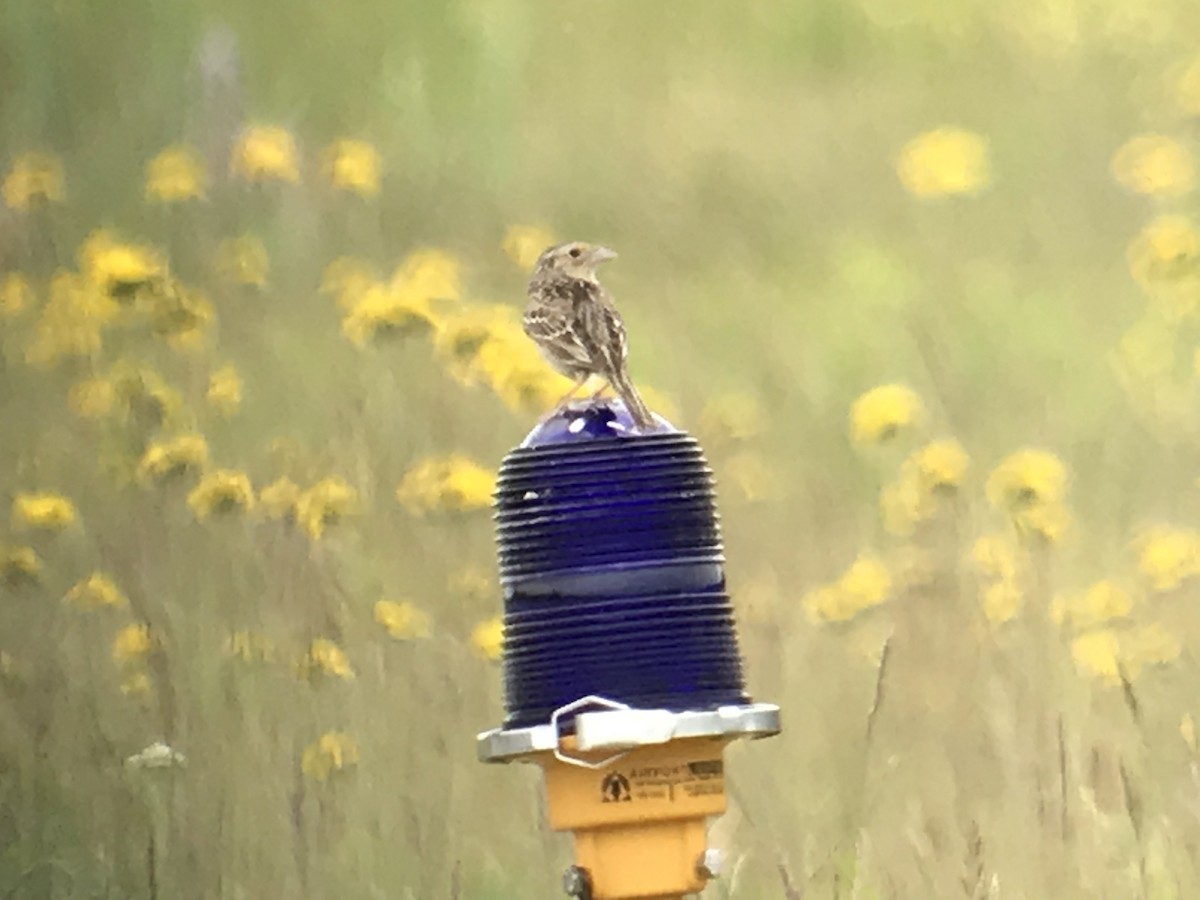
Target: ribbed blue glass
<point>612,566</point>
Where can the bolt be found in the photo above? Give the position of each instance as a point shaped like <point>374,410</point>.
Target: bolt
<point>709,864</point>
<point>576,883</point>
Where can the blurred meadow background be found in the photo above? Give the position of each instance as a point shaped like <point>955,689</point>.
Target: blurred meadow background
<point>922,276</point>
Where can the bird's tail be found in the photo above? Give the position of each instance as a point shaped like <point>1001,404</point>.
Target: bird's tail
<point>633,400</point>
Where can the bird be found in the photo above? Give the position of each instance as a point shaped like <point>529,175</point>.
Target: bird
<point>573,321</point>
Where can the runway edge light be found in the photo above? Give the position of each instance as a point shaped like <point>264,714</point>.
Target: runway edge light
<point>622,675</point>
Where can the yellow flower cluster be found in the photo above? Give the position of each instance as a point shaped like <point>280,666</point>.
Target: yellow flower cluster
<point>333,752</point>
<point>347,278</point>
<point>999,561</point>
<point>883,412</point>
<point>176,174</point>
<point>42,511</point>
<point>525,243</point>
<point>1166,252</point>
<point>222,492</point>
<point>1030,487</point>
<point>1154,164</point>
<point>324,504</point>
<point>927,477</point>
<point>72,322</point>
<point>16,295</point>
<point>169,459</point>
<point>402,621</point>
<point>326,658</point>
<point>265,153</point>
<point>19,566</point>
<point>1112,657</point>
<point>1168,556</point>
<point>352,165</point>
<point>97,591</point>
<point>944,162</point>
<point>224,392</point>
<point>453,483</point>
<point>132,645</point>
<point>865,585</point>
<point>118,267</point>
<point>278,499</point>
<point>33,179</point>
<point>385,310</point>
<point>488,638</point>
<point>140,395</point>
<point>1102,603</point>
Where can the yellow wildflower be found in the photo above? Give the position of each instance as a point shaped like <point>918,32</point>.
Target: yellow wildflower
<point>72,322</point>
<point>335,751</point>
<point>243,260</point>
<point>460,337</point>
<point>96,591</point>
<point>325,503</point>
<point>168,459</point>
<point>1149,645</point>
<point>525,243</point>
<point>1027,478</point>
<point>176,174</point>
<point>19,566</point>
<point>733,417</point>
<point>347,278</point>
<point>326,658</point>
<point>453,483</point>
<point>42,511</point>
<point>867,582</point>
<point>1187,731</point>
<point>249,646</point>
<point>429,274</point>
<point>265,153</point>
<point>1168,556</point>
<point>221,492</point>
<point>117,267</point>
<point>92,398</point>
<point>996,556</point>
<point>1154,164</point>
<point>352,165</point>
<point>512,367</point>
<point>1103,602</point>
<point>939,466</point>
<point>903,505</point>
<point>34,178</point>
<point>224,392</point>
<point>1166,251</point>
<point>16,295</point>
<point>279,498</point>
<point>828,604</point>
<point>403,621</point>
<point>1002,601</point>
<point>132,644</point>
<point>488,638</point>
<point>944,162</point>
<point>1047,521</point>
<point>383,310</point>
<point>1098,654</point>
<point>881,413</point>
<point>1185,87</point>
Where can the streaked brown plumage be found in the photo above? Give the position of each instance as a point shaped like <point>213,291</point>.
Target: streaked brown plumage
<point>575,324</point>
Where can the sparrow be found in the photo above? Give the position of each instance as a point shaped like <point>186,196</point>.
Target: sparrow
<point>573,321</point>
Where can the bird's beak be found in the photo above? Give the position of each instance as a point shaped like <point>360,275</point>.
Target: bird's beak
<point>603,254</point>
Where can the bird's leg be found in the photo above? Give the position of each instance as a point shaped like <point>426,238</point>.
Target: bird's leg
<point>567,398</point>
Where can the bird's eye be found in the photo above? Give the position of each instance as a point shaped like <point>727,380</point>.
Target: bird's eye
<point>575,252</point>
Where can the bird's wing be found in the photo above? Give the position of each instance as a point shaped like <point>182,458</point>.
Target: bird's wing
<point>604,331</point>
<point>552,320</point>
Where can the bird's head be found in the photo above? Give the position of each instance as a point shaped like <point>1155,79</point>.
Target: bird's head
<point>575,259</point>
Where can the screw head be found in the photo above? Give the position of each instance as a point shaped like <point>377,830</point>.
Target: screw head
<point>709,863</point>
<point>576,883</point>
